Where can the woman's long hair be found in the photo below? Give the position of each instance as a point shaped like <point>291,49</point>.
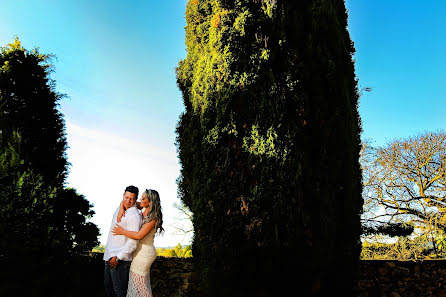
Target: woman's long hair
<point>155,212</point>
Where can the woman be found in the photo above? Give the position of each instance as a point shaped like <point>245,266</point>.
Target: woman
<point>145,253</point>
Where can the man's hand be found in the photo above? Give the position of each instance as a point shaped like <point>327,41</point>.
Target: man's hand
<point>113,263</point>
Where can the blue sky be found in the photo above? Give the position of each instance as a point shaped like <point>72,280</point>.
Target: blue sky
<point>401,55</point>
<point>116,63</point>
<point>116,60</point>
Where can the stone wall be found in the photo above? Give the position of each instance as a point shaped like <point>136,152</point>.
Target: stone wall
<point>170,277</point>
<point>403,278</point>
<point>174,277</point>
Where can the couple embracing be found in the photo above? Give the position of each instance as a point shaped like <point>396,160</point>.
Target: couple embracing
<point>130,252</point>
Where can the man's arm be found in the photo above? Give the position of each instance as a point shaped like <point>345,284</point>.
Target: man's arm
<point>133,224</point>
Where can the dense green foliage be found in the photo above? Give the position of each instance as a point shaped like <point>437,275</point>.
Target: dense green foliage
<point>269,145</point>
<point>43,223</point>
<point>388,229</point>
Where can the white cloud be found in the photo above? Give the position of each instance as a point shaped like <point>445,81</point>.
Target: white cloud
<point>103,164</point>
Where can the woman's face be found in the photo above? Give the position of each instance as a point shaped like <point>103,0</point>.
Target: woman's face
<point>144,200</point>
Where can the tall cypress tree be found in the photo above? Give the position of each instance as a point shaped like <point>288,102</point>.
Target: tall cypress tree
<point>29,107</point>
<point>269,145</point>
<point>43,224</point>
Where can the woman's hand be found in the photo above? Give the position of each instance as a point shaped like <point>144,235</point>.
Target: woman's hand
<point>121,213</point>
<point>118,230</point>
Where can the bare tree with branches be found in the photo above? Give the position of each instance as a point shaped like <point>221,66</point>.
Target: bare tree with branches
<point>183,223</point>
<point>405,181</point>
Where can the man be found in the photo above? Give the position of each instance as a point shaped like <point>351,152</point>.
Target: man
<point>118,251</point>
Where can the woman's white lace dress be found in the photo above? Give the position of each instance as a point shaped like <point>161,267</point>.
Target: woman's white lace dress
<point>143,257</point>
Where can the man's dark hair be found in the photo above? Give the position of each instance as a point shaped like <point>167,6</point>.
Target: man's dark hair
<point>132,189</point>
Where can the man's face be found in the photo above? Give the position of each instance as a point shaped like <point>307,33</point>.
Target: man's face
<point>129,200</point>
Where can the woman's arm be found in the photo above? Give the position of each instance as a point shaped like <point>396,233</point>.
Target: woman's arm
<point>121,212</point>
<point>146,228</point>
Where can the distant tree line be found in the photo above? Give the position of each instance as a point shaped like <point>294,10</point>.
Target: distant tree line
<point>43,223</point>
<point>177,251</point>
<point>403,248</point>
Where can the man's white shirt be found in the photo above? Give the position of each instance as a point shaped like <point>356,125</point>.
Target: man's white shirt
<point>119,245</point>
